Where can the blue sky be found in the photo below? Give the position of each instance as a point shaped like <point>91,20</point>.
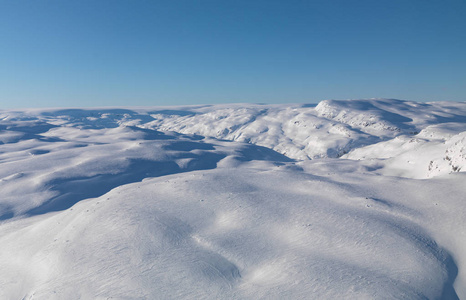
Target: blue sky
<point>175,52</point>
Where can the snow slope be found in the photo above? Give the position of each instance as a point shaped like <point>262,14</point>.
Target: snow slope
<point>224,202</point>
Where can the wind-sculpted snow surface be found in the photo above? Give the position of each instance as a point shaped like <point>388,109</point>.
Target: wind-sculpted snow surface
<point>223,202</point>
<point>65,164</point>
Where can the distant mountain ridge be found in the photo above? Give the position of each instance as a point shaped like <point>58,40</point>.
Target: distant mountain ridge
<point>331,129</point>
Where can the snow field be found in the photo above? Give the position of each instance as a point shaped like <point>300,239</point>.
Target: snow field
<point>235,234</point>
<point>224,201</point>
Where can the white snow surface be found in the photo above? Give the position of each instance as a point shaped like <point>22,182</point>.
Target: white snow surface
<point>354,199</point>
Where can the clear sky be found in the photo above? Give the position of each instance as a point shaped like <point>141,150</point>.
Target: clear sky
<point>175,52</point>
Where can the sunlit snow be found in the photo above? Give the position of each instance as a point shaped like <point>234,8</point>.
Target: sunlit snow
<point>360,199</point>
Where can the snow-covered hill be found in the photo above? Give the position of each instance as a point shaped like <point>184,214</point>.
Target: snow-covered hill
<point>361,199</point>
<point>375,129</point>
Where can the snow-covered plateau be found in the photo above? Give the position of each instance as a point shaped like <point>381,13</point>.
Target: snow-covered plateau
<point>356,199</point>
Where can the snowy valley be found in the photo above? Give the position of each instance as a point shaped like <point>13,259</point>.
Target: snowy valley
<point>355,199</point>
